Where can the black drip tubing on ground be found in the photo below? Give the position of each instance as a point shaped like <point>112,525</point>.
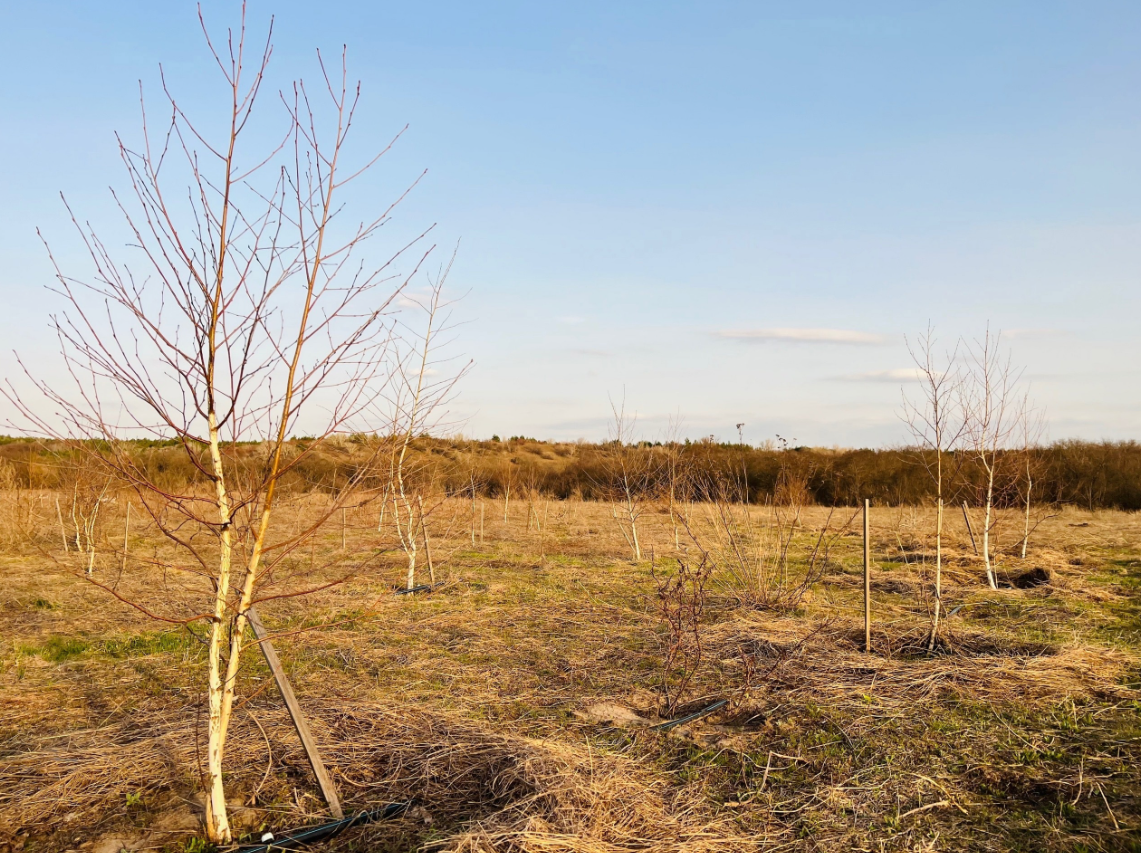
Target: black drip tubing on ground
<point>327,830</point>
<point>424,587</point>
<point>689,718</point>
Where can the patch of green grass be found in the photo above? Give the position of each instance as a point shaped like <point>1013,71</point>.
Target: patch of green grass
<point>141,645</point>
<point>469,554</point>
<point>58,649</point>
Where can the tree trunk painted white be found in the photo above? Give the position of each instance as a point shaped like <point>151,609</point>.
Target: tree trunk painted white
<point>217,821</point>
<point>938,609</point>
<point>1026,517</point>
<point>988,514</point>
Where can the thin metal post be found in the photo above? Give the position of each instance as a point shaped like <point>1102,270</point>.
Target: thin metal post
<point>867,581</point>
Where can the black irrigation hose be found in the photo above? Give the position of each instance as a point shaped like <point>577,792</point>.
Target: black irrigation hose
<point>424,587</point>
<point>689,718</point>
<point>327,830</point>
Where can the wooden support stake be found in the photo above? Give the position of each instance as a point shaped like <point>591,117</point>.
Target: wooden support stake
<point>427,542</point>
<point>970,530</point>
<point>126,533</point>
<point>328,790</point>
<point>383,504</point>
<point>62,529</point>
<point>867,581</point>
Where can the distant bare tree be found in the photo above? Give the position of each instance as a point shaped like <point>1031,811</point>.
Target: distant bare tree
<point>937,423</point>
<point>676,486</point>
<point>991,403</point>
<point>630,475</point>
<point>1032,426</point>
<point>418,390</point>
<point>250,307</point>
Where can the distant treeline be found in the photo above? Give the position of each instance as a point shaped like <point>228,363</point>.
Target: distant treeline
<point>1092,475</point>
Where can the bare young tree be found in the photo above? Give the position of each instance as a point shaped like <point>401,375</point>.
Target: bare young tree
<point>991,404</point>
<point>1032,426</point>
<point>245,308</point>
<point>937,424</point>
<point>417,392</point>
<point>629,476</point>
<point>673,470</point>
<point>508,478</point>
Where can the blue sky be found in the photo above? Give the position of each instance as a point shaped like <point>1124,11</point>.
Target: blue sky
<point>726,211</point>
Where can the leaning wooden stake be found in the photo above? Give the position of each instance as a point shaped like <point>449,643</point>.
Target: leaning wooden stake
<point>62,529</point>
<point>328,790</point>
<point>126,533</point>
<point>383,504</point>
<point>427,542</point>
<point>970,530</point>
<point>867,582</point>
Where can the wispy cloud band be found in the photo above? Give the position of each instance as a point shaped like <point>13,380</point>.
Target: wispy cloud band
<point>896,375</point>
<point>805,336</point>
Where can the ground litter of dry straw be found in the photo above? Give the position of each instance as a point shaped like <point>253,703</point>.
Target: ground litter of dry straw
<point>513,703</point>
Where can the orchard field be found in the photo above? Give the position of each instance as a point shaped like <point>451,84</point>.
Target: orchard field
<point>514,703</point>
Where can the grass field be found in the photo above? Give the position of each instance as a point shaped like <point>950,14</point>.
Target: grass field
<point>515,702</point>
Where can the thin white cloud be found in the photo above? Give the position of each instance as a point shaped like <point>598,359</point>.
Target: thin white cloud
<point>896,375</point>
<point>1034,334</point>
<point>805,336</point>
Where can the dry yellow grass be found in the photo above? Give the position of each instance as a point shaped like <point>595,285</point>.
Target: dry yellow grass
<point>1022,732</point>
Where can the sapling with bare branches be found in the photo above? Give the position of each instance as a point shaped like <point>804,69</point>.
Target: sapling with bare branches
<point>1032,426</point>
<point>676,480</point>
<point>991,404</point>
<point>629,477</point>
<point>417,392</point>
<point>937,423</point>
<point>247,304</point>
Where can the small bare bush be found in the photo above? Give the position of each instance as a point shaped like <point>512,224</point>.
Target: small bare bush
<point>681,606</point>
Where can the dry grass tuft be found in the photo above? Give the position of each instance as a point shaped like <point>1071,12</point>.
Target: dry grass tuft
<point>520,794</point>
<point>474,789</point>
<point>826,663</point>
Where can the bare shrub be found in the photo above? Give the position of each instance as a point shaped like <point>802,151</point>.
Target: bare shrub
<point>764,556</point>
<point>680,601</point>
